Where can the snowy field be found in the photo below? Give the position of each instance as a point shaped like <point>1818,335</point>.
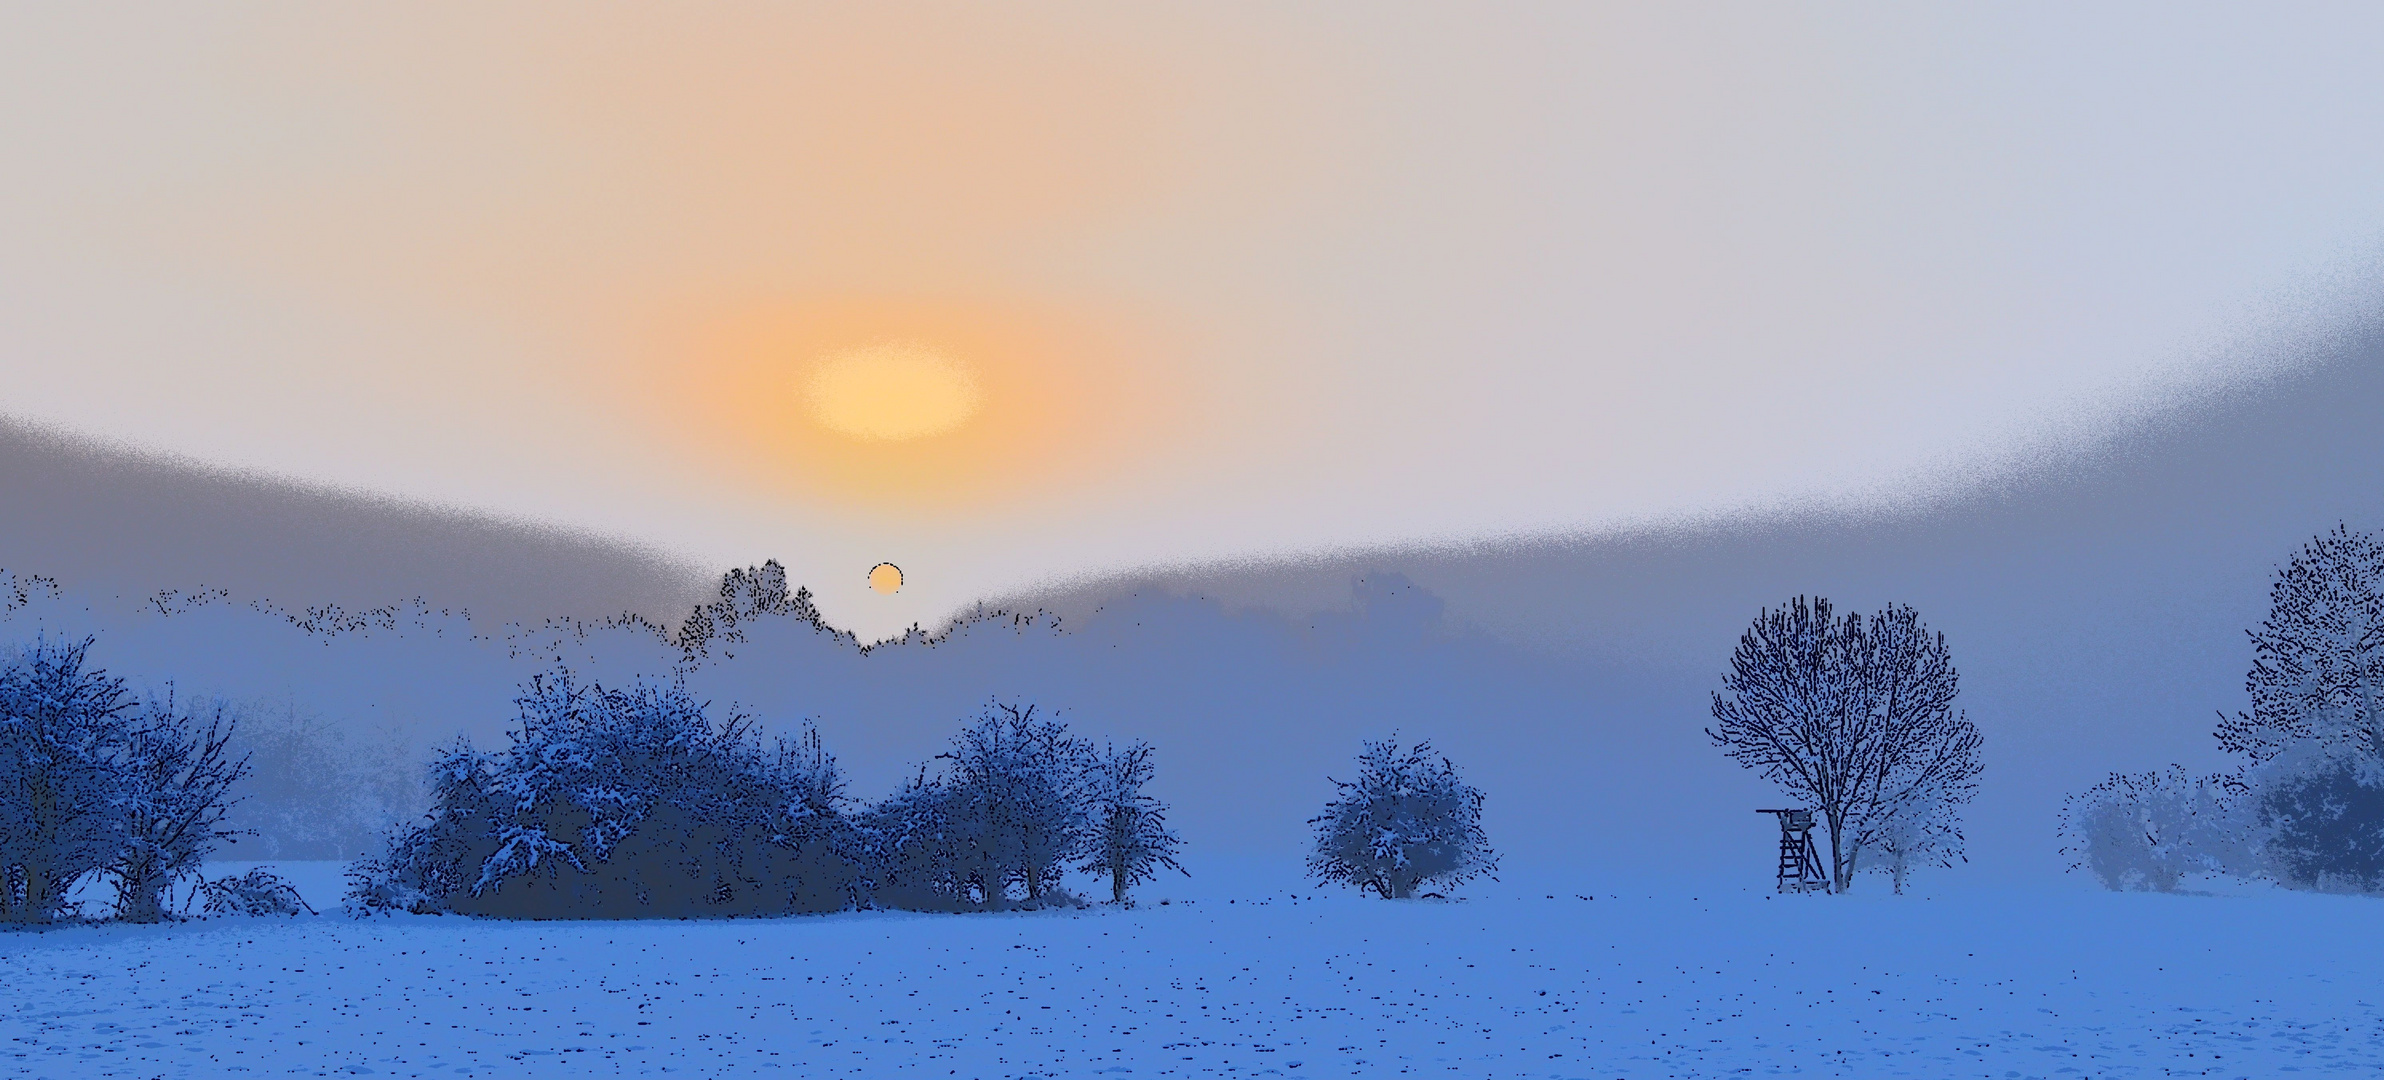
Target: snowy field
<point>2026,985</point>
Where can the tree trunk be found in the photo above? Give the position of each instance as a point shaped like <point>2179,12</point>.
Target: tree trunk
<point>37,894</point>
<point>137,893</point>
<point>1117,880</point>
<point>1841,861</point>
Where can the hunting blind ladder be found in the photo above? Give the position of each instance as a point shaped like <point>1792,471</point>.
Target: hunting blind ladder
<point>1800,861</point>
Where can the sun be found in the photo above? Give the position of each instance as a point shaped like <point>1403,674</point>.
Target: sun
<point>890,392</point>
<point>906,406</point>
<point>885,577</point>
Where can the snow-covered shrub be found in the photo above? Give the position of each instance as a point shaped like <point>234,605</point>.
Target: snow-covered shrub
<point>1407,821</point>
<point>2319,818</point>
<point>1925,830</point>
<point>1006,814</point>
<point>62,741</point>
<point>2146,831</point>
<point>1131,840</point>
<point>174,787</point>
<point>258,892</point>
<point>621,804</point>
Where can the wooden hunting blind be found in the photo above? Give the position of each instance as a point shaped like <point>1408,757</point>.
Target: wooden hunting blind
<point>1800,861</point>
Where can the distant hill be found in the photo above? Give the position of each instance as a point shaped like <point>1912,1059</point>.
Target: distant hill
<point>111,520</point>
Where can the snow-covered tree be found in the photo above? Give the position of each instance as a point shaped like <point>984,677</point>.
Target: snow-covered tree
<point>63,727</point>
<point>1017,797</point>
<point>424,866</point>
<point>1852,717</point>
<point>915,859</point>
<point>1131,840</point>
<point>2318,659</point>
<point>814,862</point>
<point>2312,810</point>
<point>1016,790</point>
<point>1925,830</point>
<point>176,780</point>
<point>2147,831</point>
<point>1406,822</point>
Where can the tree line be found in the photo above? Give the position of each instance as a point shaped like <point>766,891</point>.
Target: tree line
<point>634,802</point>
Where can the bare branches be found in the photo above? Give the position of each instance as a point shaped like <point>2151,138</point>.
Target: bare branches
<point>1854,718</point>
<point>177,780</point>
<point>1131,840</point>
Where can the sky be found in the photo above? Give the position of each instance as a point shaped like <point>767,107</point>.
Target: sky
<point>1012,295</point>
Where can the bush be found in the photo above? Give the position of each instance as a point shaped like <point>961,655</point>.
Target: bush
<point>621,804</point>
<point>631,804</point>
<point>1406,822</point>
<point>258,892</point>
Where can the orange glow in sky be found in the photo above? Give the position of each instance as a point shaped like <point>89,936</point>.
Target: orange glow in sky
<point>918,406</point>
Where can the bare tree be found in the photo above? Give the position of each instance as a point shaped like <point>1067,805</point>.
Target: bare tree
<point>1855,718</point>
<point>1131,840</point>
<point>176,779</point>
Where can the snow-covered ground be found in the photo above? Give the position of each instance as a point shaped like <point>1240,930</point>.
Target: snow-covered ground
<point>2044,984</point>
